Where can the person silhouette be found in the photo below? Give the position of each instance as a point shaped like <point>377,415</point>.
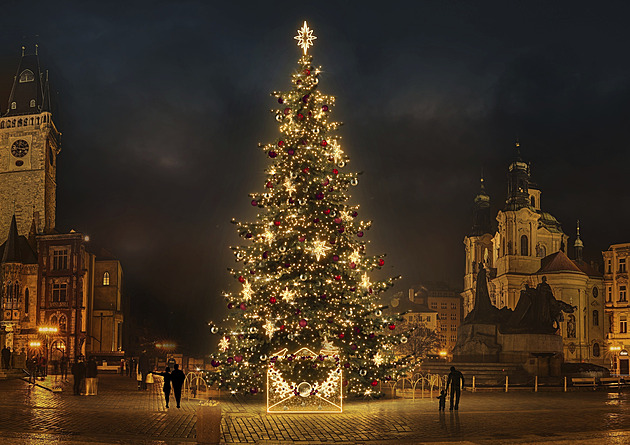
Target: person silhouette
<point>442,400</point>
<point>167,383</point>
<point>177,379</point>
<point>455,381</point>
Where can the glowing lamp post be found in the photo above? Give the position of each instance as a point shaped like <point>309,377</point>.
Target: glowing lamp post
<point>47,331</point>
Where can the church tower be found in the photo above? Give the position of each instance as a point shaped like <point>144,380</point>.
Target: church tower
<point>478,244</point>
<point>29,146</point>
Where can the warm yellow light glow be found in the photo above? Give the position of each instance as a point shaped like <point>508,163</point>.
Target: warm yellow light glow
<point>378,359</point>
<point>365,281</point>
<point>224,343</point>
<point>247,291</point>
<point>288,185</point>
<point>35,344</point>
<point>319,249</point>
<point>269,328</point>
<point>354,257</point>
<point>268,236</point>
<point>443,353</point>
<point>305,37</point>
<point>287,295</point>
<point>48,329</point>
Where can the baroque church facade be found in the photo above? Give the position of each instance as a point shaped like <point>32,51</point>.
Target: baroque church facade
<point>526,244</point>
<point>49,279</point>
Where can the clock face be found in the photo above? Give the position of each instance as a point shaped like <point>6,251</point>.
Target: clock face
<point>19,148</point>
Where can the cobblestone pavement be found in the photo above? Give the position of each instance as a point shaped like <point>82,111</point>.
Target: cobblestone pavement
<point>120,414</point>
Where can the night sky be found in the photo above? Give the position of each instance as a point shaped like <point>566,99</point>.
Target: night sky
<point>162,104</point>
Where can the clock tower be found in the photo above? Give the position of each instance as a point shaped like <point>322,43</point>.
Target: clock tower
<point>29,146</point>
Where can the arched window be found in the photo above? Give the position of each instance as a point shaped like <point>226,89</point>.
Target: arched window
<point>57,349</point>
<point>533,201</point>
<point>595,317</point>
<point>37,120</point>
<point>32,103</point>
<point>106,279</point>
<point>13,105</point>
<point>53,320</point>
<point>596,350</point>
<point>26,300</point>
<point>27,76</point>
<point>19,122</point>
<point>524,245</point>
<point>62,323</point>
<point>2,124</point>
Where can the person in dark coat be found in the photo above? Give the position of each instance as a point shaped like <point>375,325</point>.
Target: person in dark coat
<point>78,374</point>
<point>6,357</point>
<point>63,365</point>
<point>144,366</point>
<point>91,372</point>
<point>456,382</point>
<point>177,378</point>
<point>167,383</point>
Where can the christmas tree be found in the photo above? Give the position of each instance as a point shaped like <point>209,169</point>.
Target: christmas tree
<point>304,274</point>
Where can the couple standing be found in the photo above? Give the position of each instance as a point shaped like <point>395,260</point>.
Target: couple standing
<point>176,377</point>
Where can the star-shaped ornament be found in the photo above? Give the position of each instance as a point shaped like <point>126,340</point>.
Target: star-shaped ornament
<point>287,294</point>
<point>224,343</point>
<point>269,328</point>
<point>247,291</point>
<point>305,37</point>
<point>319,249</point>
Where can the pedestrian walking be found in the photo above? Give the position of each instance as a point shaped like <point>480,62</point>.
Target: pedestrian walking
<point>63,366</point>
<point>177,379</point>
<point>91,371</point>
<point>167,383</point>
<point>6,357</point>
<point>456,382</point>
<point>442,400</point>
<point>78,374</point>
<point>144,367</point>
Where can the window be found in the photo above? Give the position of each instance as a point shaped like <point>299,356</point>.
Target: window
<point>59,292</point>
<point>622,293</point>
<point>443,306</point>
<point>453,338</point>
<point>596,350</point>
<point>26,300</point>
<point>13,105</point>
<point>623,327</point>
<point>533,201</point>
<point>622,265</point>
<point>596,318</point>
<point>62,323</point>
<point>524,245</point>
<point>453,316</point>
<point>60,259</point>
<point>428,318</point>
<point>433,305</point>
<point>106,279</point>
<point>454,327</point>
<point>32,103</point>
<point>53,320</point>
<point>443,328</point>
<point>609,293</point>
<point>609,266</point>
<point>453,305</point>
<point>27,76</point>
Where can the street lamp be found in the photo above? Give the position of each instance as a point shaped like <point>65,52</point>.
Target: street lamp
<point>47,330</point>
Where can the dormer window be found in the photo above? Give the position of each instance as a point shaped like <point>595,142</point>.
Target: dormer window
<point>27,76</point>
<point>106,279</point>
<point>13,105</point>
<point>32,103</point>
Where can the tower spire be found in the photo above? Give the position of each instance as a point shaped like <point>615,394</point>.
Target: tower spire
<point>481,211</point>
<point>578,244</point>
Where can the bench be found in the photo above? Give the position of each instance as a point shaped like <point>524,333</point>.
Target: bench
<point>584,382</point>
<point>108,368</point>
<point>612,381</point>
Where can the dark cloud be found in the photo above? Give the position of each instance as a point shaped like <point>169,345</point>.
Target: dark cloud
<point>161,105</point>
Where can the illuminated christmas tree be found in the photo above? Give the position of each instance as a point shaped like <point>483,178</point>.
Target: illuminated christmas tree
<point>304,272</point>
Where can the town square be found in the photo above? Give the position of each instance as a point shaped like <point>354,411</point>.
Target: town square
<point>352,223</point>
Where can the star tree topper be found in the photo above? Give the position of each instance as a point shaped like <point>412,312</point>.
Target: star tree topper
<point>305,37</point>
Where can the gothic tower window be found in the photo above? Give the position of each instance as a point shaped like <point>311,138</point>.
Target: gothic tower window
<point>60,259</point>
<point>533,201</point>
<point>32,103</point>
<point>59,292</point>
<point>27,76</point>
<point>595,317</point>
<point>596,350</point>
<point>26,300</point>
<point>524,245</point>
<point>106,279</point>
<point>53,320</point>
<point>13,105</point>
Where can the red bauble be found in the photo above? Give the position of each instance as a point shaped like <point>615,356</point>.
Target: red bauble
<point>269,185</point>
<point>308,73</point>
<point>320,195</point>
<point>392,327</point>
<point>301,239</point>
<point>327,211</point>
<point>230,305</point>
<point>305,169</point>
<point>280,100</point>
<point>324,107</point>
<point>287,110</point>
<point>352,265</point>
<point>254,202</point>
<point>355,214</point>
<point>381,262</point>
<point>280,143</point>
<point>291,151</point>
<point>374,383</point>
<point>303,323</point>
<point>272,300</point>
<point>238,358</point>
<point>335,258</point>
<point>324,143</point>
<point>325,182</point>
<point>276,223</point>
<point>353,347</point>
<point>337,220</point>
<point>337,277</point>
<point>341,335</point>
<point>273,154</point>
<point>241,279</point>
<point>335,171</point>
<point>305,98</point>
<point>281,327</point>
<point>243,306</point>
<point>253,390</point>
<point>360,234</point>
<point>300,116</point>
<point>341,229</point>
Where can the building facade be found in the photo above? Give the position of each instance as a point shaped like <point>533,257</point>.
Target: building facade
<point>617,309</point>
<point>47,276</point>
<point>527,244</point>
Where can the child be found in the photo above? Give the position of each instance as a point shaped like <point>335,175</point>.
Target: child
<point>442,399</point>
